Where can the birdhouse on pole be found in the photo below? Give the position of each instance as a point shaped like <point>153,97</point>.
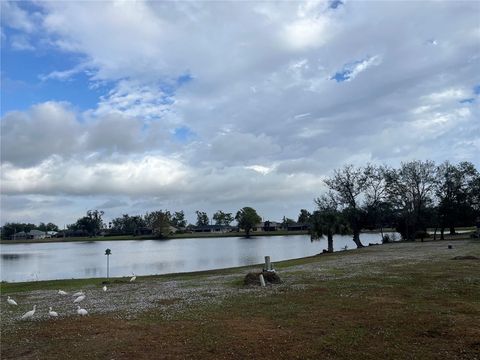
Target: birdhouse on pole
<point>108,252</point>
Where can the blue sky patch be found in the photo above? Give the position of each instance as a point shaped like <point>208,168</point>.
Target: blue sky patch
<point>351,70</point>
<point>22,86</point>
<point>184,79</point>
<point>476,89</point>
<point>346,73</point>
<point>335,4</point>
<point>183,134</point>
<point>341,76</point>
<point>467,101</point>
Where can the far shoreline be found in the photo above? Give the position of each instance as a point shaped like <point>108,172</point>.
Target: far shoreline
<point>149,237</point>
<point>465,231</point>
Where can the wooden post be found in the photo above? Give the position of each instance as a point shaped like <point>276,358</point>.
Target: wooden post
<point>268,265</point>
<point>262,280</point>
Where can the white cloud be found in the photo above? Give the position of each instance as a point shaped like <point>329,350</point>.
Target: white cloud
<point>147,175</point>
<point>21,43</point>
<point>15,17</point>
<point>46,129</point>
<point>130,99</point>
<point>447,95</point>
<point>63,75</point>
<point>304,33</point>
<point>55,129</point>
<point>268,123</point>
<point>264,170</point>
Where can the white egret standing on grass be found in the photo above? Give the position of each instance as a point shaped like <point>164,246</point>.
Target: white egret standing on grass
<point>78,299</point>
<point>61,292</point>
<point>29,314</point>
<point>133,277</point>
<point>11,301</point>
<point>81,311</point>
<point>52,313</point>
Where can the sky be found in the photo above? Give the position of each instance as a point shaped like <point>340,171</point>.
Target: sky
<point>136,106</point>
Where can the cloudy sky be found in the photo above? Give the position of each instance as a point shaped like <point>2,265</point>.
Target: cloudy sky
<point>133,106</point>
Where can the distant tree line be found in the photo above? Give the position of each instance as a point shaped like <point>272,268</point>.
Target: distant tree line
<point>416,196</point>
<point>11,228</point>
<point>159,223</point>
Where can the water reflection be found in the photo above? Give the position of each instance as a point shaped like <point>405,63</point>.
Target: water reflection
<point>45,261</point>
<point>14,256</point>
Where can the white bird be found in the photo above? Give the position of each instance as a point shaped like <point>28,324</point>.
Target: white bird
<point>81,311</point>
<point>52,313</point>
<point>29,314</point>
<point>80,293</point>
<point>11,301</point>
<point>61,292</point>
<point>104,287</point>
<point>133,277</point>
<point>78,299</point>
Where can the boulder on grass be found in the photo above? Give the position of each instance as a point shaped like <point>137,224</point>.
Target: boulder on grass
<point>253,278</point>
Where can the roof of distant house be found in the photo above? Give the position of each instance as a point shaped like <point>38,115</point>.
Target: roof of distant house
<point>36,232</point>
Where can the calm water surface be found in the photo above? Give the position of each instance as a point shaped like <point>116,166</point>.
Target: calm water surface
<point>48,261</point>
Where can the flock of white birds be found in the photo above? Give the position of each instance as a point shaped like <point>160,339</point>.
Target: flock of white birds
<point>79,297</point>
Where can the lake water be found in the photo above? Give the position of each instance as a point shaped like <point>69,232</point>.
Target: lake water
<point>48,261</point>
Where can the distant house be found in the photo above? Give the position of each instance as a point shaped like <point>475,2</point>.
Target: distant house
<point>50,234</point>
<point>32,234</point>
<point>211,228</point>
<point>36,234</point>
<point>267,226</point>
<point>298,227</point>
<point>20,235</point>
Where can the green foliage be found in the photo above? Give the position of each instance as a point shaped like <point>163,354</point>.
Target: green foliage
<point>454,193</point>
<point>128,224</point>
<point>247,218</point>
<point>47,227</point>
<point>222,218</point>
<point>159,222</point>
<point>202,218</point>
<point>304,216</point>
<point>349,189</point>
<point>286,222</point>
<point>9,229</point>
<point>410,191</point>
<point>327,220</point>
<point>91,224</point>
<point>178,220</point>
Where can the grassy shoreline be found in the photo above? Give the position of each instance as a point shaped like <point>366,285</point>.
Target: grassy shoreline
<point>196,236</point>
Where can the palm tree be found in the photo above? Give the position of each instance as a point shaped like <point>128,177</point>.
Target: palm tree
<point>327,220</point>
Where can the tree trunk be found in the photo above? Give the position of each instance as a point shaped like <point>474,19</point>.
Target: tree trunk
<point>452,230</point>
<point>442,230</point>
<point>330,242</point>
<point>356,239</point>
<point>435,234</point>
